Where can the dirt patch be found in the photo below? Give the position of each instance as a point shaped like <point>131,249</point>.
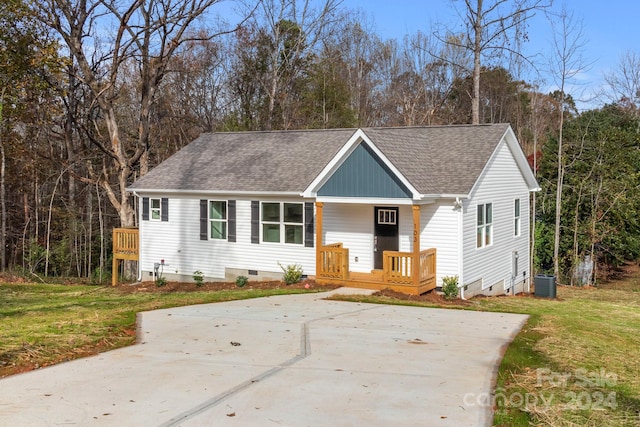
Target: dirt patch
<point>151,287</point>
<point>625,278</point>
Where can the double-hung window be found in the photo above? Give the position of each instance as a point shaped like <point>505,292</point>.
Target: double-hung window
<point>217,219</point>
<point>484,225</point>
<point>282,222</point>
<point>155,209</point>
<point>516,218</point>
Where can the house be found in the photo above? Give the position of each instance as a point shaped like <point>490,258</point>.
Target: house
<point>373,207</point>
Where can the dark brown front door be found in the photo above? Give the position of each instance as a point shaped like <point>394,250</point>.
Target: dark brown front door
<point>385,236</point>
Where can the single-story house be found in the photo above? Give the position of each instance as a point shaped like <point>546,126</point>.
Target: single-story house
<point>395,207</point>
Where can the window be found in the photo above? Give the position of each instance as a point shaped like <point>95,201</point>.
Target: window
<point>282,222</point>
<point>484,225</point>
<point>387,216</point>
<point>217,219</point>
<point>516,217</point>
<point>155,209</point>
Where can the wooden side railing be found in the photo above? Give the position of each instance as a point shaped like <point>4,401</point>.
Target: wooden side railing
<point>428,266</point>
<point>333,262</point>
<point>398,267</point>
<point>126,246</point>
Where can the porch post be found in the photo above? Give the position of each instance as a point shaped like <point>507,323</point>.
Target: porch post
<point>319,206</point>
<point>416,245</point>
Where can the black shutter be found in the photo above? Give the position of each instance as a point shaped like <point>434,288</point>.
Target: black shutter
<point>145,209</point>
<point>231,220</point>
<point>164,209</point>
<point>308,225</point>
<point>255,221</point>
<point>204,218</point>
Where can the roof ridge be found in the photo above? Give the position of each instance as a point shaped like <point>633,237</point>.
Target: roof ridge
<point>274,131</point>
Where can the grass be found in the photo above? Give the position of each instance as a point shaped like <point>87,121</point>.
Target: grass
<point>575,362</point>
<point>44,324</point>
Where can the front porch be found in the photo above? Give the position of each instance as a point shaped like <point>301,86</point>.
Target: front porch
<point>400,270</point>
<point>413,272</point>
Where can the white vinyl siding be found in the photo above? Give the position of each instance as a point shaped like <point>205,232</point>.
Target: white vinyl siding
<point>439,222</point>
<point>178,243</point>
<point>352,225</point>
<point>499,185</point>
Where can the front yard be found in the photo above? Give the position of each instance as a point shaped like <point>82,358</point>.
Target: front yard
<point>575,362</point>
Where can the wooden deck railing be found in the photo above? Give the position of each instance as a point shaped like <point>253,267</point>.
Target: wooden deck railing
<point>126,246</point>
<point>398,267</point>
<point>428,266</point>
<point>125,243</point>
<point>333,262</point>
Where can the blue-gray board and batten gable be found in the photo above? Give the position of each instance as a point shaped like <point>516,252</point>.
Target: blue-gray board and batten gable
<point>364,174</point>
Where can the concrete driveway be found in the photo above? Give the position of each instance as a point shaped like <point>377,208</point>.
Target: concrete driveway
<point>294,360</point>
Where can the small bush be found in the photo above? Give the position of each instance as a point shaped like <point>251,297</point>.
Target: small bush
<point>292,273</point>
<point>450,287</point>
<point>161,281</point>
<point>198,277</point>
<point>241,281</point>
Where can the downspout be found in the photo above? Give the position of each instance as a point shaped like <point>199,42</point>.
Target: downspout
<point>139,241</point>
<point>460,243</point>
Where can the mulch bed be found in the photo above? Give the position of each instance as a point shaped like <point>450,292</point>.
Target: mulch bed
<point>151,287</point>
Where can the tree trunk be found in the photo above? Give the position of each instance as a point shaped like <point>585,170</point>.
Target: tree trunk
<point>556,233</point>
<point>477,50</point>
<point>3,201</point>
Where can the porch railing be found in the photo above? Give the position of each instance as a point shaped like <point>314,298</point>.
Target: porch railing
<point>398,267</point>
<point>333,262</point>
<point>126,246</point>
<point>125,243</point>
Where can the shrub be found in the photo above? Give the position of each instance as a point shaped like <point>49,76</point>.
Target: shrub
<point>161,281</point>
<point>241,281</point>
<point>292,273</point>
<point>198,277</point>
<point>450,287</point>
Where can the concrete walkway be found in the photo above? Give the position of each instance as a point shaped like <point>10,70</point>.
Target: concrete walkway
<point>294,360</point>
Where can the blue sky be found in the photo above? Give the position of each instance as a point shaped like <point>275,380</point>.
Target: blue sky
<point>610,28</point>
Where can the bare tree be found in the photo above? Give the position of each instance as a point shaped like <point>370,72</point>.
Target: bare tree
<point>290,29</point>
<point>491,29</point>
<point>567,62</point>
<point>146,33</point>
<point>624,82</point>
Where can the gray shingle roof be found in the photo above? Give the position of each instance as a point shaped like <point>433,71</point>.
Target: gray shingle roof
<point>439,159</point>
<point>434,159</point>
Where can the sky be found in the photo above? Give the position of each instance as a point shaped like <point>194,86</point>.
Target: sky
<point>610,28</point>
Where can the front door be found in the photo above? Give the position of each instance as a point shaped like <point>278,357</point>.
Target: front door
<point>385,235</point>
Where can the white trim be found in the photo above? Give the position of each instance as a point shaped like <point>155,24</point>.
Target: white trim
<point>519,217</point>
<point>281,223</point>
<point>225,220</point>
<point>366,201</point>
<point>342,155</point>
<point>521,159</point>
<point>158,209</point>
<point>484,225</point>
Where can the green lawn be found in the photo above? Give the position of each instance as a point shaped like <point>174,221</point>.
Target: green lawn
<point>46,324</point>
<point>576,361</point>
